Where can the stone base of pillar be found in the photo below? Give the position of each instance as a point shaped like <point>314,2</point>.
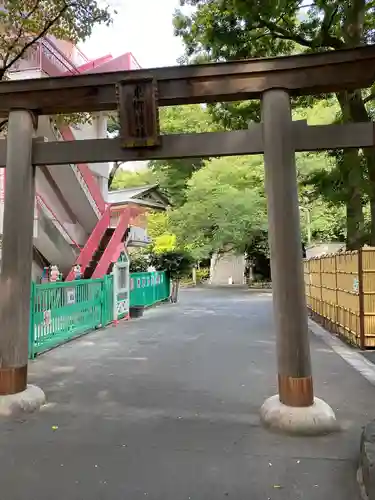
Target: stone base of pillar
<point>27,401</point>
<point>313,420</point>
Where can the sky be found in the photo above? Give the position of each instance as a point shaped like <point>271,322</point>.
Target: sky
<point>143,27</point>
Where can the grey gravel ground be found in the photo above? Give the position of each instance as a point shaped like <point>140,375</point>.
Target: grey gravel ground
<point>166,408</point>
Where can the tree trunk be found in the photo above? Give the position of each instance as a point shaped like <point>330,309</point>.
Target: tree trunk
<point>112,173</point>
<point>175,288</point>
<point>354,222</point>
<point>358,113</point>
<point>352,175</point>
<point>354,110</point>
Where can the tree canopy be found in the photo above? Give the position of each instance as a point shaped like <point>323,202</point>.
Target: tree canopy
<point>24,22</point>
<point>171,175</point>
<point>225,208</point>
<point>223,205</point>
<point>127,179</point>
<point>218,30</point>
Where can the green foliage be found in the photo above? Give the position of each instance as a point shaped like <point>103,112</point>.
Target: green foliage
<point>157,224</point>
<point>238,29</point>
<point>23,22</point>
<point>158,228</point>
<point>139,262</point>
<point>225,206</point>
<point>216,30</point>
<point>173,175</point>
<point>164,243</point>
<point>177,264</point>
<point>126,179</point>
<point>202,274</point>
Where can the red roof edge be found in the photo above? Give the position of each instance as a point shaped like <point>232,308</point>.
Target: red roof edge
<point>95,63</point>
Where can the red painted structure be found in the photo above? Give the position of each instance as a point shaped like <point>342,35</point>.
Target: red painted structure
<point>56,58</point>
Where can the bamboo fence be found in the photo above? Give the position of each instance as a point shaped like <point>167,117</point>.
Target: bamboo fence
<point>340,294</point>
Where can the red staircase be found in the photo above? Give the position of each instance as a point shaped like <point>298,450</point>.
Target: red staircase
<point>89,271</point>
<point>113,248</point>
<point>104,246</point>
<point>92,243</point>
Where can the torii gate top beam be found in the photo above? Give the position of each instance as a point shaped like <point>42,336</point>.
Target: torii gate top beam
<point>239,80</point>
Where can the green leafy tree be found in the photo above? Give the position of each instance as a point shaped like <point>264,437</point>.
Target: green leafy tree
<point>126,179</point>
<point>177,263</point>
<point>24,22</point>
<point>158,228</point>
<point>172,175</point>
<point>341,189</point>
<point>225,206</point>
<point>219,30</point>
<point>139,262</point>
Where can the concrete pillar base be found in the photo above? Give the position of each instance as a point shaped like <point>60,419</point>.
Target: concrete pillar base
<point>27,401</point>
<point>309,421</point>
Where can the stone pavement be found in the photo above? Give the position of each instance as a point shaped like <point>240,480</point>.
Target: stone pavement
<point>166,408</point>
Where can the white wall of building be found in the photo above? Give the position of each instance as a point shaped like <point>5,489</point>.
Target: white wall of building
<point>227,269</point>
<point>97,129</point>
<point>26,74</point>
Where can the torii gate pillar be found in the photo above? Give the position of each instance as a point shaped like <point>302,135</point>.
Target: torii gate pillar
<point>294,409</point>
<point>15,394</point>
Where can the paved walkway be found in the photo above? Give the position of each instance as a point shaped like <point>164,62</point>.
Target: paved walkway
<point>166,408</point>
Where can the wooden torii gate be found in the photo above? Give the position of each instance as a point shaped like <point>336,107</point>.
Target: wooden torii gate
<point>137,96</point>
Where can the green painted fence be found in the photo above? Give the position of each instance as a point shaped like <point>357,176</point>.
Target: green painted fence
<point>62,311</point>
<point>146,289</point>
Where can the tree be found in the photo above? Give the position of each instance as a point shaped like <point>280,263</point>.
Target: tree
<point>158,228</point>
<point>225,206</point>
<point>24,22</point>
<point>139,262</point>
<point>172,175</point>
<point>125,179</point>
<point>177,264</point>
<point>219,30</point>
<point>342,189</point>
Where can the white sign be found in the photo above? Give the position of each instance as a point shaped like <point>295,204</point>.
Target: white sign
<point>122,307</point>
<point>138,235</point>
<point>47,317</point>
<point>71,296</point>
<point>356,285</point>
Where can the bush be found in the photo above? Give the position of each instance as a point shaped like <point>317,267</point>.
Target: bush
<point>176,263</point>
<point>203,274</point>
<point>138,263</point>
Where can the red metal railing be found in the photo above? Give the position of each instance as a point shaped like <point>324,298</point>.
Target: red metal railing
<point>87,175</point>
<point>112,252</point>
<point>92,243</point>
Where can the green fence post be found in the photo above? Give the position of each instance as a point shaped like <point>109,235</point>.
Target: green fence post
<point>104,300</point>
<point>31,322</point>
